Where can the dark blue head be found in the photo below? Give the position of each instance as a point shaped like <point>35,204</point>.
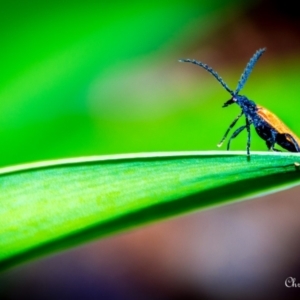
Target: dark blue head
<point>245,104</point>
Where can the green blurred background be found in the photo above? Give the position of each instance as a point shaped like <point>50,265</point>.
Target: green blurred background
<point>85,78</point>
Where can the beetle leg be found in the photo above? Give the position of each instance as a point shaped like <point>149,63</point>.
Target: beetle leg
<point>238,131</point>
<point>271,142</point>
<point>230,126</point>
<point>270,145</point>
<point>249,136</point>
<point>276,150</point>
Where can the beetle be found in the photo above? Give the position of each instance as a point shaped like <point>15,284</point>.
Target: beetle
<point>268,126</point>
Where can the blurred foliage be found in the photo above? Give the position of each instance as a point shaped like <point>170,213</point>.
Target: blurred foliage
<point>84,77</point>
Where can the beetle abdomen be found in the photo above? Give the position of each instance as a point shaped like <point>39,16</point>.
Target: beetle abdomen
<point>271,129</point>
<point>285,143</point>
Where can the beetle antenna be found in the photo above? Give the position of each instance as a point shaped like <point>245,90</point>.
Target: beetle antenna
<point>249,69</point>
<point>211,71</point>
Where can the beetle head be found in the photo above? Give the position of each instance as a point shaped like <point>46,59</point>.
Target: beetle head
<point>229,102</point>
<point>243,102</point>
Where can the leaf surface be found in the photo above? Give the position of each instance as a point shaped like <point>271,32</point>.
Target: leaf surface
<point>53,205</point>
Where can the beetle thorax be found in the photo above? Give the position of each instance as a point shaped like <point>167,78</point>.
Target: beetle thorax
<point>248,106</point>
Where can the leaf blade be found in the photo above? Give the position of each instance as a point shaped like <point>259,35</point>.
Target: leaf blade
<point>52,205</point>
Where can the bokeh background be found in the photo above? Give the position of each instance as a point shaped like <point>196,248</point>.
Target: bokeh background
<point>83,78</point>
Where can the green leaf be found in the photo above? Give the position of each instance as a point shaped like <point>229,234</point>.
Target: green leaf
<point>52,205</point>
